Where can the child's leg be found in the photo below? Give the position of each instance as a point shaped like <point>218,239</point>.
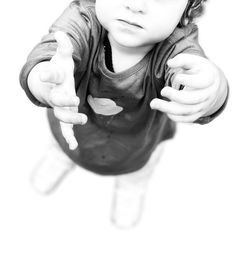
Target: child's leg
<point>130,191</point>
<point>51,169</point>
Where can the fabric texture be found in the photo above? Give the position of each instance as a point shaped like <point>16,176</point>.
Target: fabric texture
<point>122,141</point>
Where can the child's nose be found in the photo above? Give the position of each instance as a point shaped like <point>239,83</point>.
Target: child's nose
<point>137,6</point>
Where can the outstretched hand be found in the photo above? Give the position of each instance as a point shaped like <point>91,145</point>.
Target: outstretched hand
<point>59,73</point>
<point>204,89</point>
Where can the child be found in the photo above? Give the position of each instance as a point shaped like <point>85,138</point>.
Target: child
<point>116,76</point>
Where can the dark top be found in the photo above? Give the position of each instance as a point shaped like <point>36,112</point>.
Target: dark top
<point>123,140</point>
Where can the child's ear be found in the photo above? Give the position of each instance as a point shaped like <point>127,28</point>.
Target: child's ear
<point>193,9</point>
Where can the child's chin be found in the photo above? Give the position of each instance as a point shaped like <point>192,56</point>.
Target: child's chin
<point>130,41</point>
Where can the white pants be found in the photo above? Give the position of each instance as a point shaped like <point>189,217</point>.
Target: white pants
<point>129,189</point>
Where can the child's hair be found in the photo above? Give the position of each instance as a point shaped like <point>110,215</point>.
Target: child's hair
<point>194,9</point>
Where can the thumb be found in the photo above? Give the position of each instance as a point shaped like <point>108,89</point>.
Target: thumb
<point>183,60</point>
<point>64,48</point>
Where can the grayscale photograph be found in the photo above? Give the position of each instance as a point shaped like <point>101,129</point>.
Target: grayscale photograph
<point>125,128</point>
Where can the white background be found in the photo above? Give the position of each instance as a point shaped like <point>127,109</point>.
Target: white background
<point>198,201</point>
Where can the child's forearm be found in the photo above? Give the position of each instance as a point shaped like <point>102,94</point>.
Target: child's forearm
<point>36,87</point>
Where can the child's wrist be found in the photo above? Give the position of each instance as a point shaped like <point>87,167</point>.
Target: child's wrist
<point>35,85</point>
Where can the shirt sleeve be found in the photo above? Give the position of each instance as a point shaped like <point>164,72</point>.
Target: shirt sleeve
<point>75,21</point>
<point>186,41</point>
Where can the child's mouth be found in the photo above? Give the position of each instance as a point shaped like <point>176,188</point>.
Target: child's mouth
<point>130,23</point>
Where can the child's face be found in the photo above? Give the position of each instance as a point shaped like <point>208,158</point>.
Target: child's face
<point>136,23</point>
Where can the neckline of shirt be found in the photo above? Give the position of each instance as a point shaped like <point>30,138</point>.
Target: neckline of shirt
<point>123,74</point>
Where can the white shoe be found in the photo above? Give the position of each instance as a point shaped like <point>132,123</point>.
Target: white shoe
<point>51,170</point>
<point>127,206</point>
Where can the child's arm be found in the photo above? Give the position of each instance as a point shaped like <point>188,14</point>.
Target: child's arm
<point>52,83</point>
<point>75,21</point>
<point>205,89</point>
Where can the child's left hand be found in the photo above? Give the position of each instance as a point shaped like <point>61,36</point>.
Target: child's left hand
<point>204,92</point>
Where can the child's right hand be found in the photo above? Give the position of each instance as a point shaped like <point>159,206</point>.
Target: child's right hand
<point>57,79</point>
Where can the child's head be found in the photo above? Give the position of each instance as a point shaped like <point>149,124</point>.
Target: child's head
<point>137,23</point>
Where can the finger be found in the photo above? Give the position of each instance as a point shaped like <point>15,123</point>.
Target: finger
<point>64,48</point>
<point>59,98</point>
<point>193,81</point>
<point>52,74</point>
<point>184,60</point>
<point>185,96</point>
<point>175,108</point>
<point>68,134</point>
<point>185,119</point>
<point>70,117</point>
